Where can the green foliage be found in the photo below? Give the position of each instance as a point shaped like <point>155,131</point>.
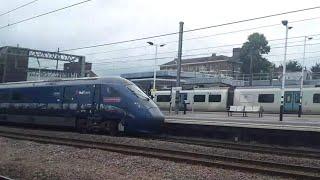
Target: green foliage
<point>293,66</point>
<point>254,48</point>
<point>316,68</point>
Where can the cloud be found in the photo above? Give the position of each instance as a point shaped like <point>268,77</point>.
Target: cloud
<point>103,21</point>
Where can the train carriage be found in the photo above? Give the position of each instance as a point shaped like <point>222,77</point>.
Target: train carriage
<point>197,100</point>
<point>269,98</point>
<point>109,104</point>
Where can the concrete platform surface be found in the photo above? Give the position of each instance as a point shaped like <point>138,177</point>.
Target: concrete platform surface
<point>268,121</point>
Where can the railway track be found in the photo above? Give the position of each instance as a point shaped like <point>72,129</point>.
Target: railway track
<point>291,152</point>
<point>5,178</point>
<point>265,167</point>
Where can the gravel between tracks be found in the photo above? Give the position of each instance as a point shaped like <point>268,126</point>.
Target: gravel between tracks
<point>30,160</point>
<point>177,146</point>
<point>45,161</point>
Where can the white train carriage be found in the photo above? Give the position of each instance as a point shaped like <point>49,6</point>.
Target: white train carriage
<point>270,99</point>
<point>163,99</point>
<point>198,100</point>
<point>311,100</point>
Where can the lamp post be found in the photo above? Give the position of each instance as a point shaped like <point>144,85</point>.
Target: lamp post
<point>302,74</point>
<point>285,23</point>
<point>155,64</point>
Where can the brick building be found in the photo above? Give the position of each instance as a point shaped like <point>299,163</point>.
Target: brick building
<point>213,64</point>
<point>14,65</point>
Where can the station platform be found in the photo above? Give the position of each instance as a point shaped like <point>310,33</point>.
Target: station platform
<point>291,122</point>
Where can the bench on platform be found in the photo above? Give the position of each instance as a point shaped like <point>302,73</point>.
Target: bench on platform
<point>235,109</point>
<point>253,109</point>
<point>245,109</point>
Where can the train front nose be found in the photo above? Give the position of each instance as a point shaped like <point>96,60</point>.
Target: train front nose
<point>155,119</point>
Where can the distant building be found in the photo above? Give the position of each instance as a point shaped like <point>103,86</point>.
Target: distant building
<point>213,64</point>
<point>74,67</point>
<point>14,65</point>
<point>167,79</point>
<point>70,70</point>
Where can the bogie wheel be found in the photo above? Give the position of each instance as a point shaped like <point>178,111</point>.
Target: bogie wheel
<point>113,128</point>
<point>82,126</point>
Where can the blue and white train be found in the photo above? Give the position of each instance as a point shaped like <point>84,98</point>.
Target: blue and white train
<point>218,99</point>
<point>109,104</point>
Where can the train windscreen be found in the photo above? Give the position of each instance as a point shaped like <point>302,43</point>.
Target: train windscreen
<point>137,91</point>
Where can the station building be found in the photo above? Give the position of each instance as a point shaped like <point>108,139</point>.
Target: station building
<point>211,65</point>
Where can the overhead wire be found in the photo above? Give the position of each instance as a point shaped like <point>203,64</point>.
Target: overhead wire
<point>19,7</point>
<point>137,47</point>
<point>242,30</point>
<point>185,51</point>
<point>188,55</point>
<point>191,30</point>
<point>40,15</point>
<point>130,67</point>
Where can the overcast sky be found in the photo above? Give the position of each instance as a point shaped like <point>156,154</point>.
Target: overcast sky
<point>104,21</point>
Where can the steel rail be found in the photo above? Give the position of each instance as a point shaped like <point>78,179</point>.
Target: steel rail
<point>264,167</point>
<point>5,178</point>
<point>289,151</point>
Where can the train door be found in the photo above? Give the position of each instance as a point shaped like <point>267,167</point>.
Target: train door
<point>291,101</point>
<point>95,108</point>
<point>183,97</point>
<point>114,105</point>
<point>230,97</point>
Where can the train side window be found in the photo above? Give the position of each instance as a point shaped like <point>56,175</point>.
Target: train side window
<point>199,98</point>
<point>110,92</point>
<point>97,93</point>
<point>78,94</point>
<point>316,98</point>
<point>69,94</point>
<point>17,96</point>
<point>266,98</point>
<point>84,93</point>
<point>214,98</point>
<point>110,95</point>
<point>4,95</point>
<point>163,98</point>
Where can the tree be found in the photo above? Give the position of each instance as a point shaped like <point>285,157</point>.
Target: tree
<point>316,71</point>
<point>316,68</point>
<point>293,66</point>
<point>254,48</point>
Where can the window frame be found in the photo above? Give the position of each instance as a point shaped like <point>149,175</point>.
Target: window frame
<point>317,95</point>
<point>260,99</point>
<point>210,95</point>
<point>198,95</point>
<point>167,99</point>
<point>5,95</point>
<point>77,99</point>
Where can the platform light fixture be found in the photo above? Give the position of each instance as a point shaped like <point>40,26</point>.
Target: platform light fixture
<point>155,63</point>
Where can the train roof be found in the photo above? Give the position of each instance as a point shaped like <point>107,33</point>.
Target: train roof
<point>271,89</point>
<point>61,82</point>
<point>276,87</point>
